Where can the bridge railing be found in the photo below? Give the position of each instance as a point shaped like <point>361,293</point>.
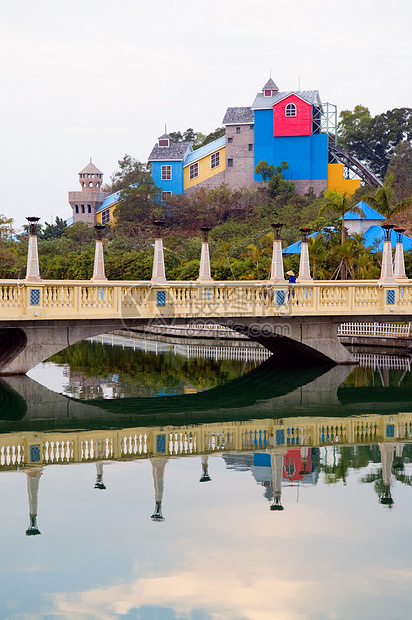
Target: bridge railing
<point>48,448</point>
<point>79,299</point>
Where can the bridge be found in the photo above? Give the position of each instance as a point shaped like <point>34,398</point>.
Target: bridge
<point>38,320</point>
<point>298,321</point>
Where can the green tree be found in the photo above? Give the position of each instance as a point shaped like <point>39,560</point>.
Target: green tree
<point>54,231</point>
<point>373,139</point>
<point>131,172</point>
<point>401,168</point>
<point>383,199</point>
<point>278,187</point>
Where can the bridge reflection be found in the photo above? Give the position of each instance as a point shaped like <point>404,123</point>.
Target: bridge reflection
<point>273,466</point>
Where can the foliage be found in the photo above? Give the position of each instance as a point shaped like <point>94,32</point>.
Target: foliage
<point>54,231</point>
<point>384,200</point>
<point>198,139</point>
<point>373,139</point>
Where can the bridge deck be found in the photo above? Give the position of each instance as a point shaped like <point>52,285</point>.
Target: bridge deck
<point>37,449</point>
<point>53,300</point>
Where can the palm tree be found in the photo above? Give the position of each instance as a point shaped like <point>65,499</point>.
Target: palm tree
<point>339,203</point>
<point>383,200</point>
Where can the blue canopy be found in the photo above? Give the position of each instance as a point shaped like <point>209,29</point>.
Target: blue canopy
<point>374,236</point>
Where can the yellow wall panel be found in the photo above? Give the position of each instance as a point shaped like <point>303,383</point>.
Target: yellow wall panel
<point>205,172</point>
<point>337,182</point>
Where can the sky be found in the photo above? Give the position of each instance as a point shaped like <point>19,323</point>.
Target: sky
<point>98,79</point>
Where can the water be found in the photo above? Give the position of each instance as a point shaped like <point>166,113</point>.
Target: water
<point>167,487</point>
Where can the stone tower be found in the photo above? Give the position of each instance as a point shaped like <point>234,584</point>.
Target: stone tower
<point>85,202</point>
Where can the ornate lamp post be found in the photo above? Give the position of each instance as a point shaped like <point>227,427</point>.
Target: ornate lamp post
<point>276,269</point>
<point>158,468</point>
<point>33,271</point>
<point>387,265</point>
<point>204,271</point>
<point>98,269</point>
<point>205,470</point>
<point>304,266</point>
<point>399,261</point>
<point>158,272</point>
<point>33,481</point>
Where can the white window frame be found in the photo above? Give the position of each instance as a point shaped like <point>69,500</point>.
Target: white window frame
<point>166,195</point>
<point>291,110</point>
<point>166,173</point>
<point>215,160</point>
<point>106,216</point>
<point>193,171</point>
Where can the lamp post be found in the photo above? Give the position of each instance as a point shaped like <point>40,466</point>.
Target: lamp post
<point>204,271</point>
<point>387,265</point>
<point>158,272</point>
<point>304,266</point>
<point>33,271</point>
<point>399,261</point>
<point>98,269</point>
<point>276,269</point>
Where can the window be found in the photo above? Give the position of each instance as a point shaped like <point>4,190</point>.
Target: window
<point>89,208</point>
<point>238,130</point>
<point>106,216</point>
<point>166,196</point>
<point>83,209</point>
<point>215,160</point>
<point>193,171</point>
<point>268,93</point>
<point>290,110</point>
<point>77,208</point>
<point>230,163</point>
<point>230,140</point>
<point>163,143</point>
<point>250,147</point>
<point>166,173</point>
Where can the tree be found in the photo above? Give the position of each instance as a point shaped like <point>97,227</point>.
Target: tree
<point>138,203</point>
<point>54,231</point>
<point>197,138</point>
<point>336,202</point>
<point>278,187</point>
<point>401,168</point>
<point>131,172</point>
<point>384,200</point>
<point>6,227</point>
<point>373,139</point>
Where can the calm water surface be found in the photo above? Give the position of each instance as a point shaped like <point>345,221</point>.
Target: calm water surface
<point>167,488</point>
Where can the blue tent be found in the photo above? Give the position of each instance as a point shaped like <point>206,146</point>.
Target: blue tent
<point>374,237</point>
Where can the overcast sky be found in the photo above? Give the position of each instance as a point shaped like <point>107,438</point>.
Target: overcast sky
<point>100,79</point>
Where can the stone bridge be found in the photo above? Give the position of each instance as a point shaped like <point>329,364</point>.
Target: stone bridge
<point>298,322</point>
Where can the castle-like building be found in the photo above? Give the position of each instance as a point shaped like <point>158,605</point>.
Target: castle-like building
<point>289,126</point>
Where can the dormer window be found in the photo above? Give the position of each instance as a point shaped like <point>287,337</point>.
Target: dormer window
<point>290,110</point>
<point>164,142</point>
<point>267,93</point>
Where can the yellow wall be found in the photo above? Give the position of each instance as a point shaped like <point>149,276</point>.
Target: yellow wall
<point>336,180</point>
<point>112,219</point>
<point>204,169</point>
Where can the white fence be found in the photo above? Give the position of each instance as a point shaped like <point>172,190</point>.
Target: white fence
<point>394,330</point>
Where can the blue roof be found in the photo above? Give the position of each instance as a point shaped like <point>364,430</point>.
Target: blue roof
<point>109,201</point>
<point>377,234</point>
<point>205,150</point>
<point>369,213</point>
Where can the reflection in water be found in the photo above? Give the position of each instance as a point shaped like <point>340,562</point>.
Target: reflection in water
<point>308,497</point>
